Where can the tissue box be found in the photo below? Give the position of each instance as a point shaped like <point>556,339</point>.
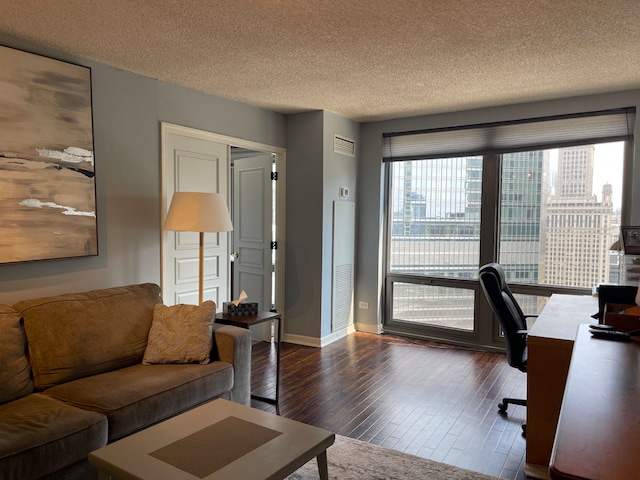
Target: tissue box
<point>243,309</point>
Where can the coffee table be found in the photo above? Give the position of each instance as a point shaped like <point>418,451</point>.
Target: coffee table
<point>220,440</point>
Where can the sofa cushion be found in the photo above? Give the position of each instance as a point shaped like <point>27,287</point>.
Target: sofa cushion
<point>80,334</point>
<point>136,397</point>
<point>15,372</point>
<point>41,435</point>
<point>180,334</point>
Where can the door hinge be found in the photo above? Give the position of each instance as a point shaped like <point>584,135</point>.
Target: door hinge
<point>274,175</point>
<point>274,245</point>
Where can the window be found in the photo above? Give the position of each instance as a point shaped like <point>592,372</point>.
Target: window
<point>546,206</point>
<point>580,221</point>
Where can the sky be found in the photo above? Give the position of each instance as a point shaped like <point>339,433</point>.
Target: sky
<point>607,169</point>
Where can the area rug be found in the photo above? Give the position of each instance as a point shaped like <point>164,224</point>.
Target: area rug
<point>351,459</point>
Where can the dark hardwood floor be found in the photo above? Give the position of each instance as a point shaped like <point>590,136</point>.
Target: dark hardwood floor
<point>431,400</point>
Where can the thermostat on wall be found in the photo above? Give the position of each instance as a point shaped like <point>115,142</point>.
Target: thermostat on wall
<point>344,192</point>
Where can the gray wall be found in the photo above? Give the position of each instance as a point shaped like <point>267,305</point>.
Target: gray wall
<point>339,170</point>
<point>303,276</point>
<point>371,182</point>
<point>127,111</point>
<point>314,175</point>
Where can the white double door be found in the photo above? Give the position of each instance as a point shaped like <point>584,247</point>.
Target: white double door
<point>198,161</point>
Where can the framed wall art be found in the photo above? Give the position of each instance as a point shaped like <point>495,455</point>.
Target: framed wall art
<point>47,181</point>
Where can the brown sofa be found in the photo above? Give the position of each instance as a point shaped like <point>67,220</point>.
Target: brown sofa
<point>71,378</point>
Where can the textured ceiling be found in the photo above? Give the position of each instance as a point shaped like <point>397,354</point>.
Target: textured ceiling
<point>363,59</point>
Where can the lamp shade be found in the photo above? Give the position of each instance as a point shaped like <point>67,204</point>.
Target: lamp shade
<point>198,212</point>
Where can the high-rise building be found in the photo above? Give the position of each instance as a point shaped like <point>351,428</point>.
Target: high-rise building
<point>438,202</point>
<point>575,172</point>
<point>522,213</point>
<point>579,227</point>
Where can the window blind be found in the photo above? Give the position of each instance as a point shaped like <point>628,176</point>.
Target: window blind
<point>514,136</point>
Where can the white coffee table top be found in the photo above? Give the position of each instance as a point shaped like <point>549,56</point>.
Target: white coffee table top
<point>245,444</point>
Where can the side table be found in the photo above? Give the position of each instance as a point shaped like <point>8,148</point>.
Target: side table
<point>248,321</point>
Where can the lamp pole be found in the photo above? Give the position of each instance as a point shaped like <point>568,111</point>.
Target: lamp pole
<point>201,270</point>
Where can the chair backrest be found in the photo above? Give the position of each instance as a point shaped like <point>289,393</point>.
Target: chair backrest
<point>506,308</point>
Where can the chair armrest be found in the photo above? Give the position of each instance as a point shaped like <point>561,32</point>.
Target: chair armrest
<point>523,334</point>
<point>233,345</point>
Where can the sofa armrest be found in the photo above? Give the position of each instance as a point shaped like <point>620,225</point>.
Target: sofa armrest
<point>233,345</point>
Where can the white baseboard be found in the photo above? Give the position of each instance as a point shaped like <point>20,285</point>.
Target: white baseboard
<point>318,342</point>
<point>368,328</point>
<point>301,340</point>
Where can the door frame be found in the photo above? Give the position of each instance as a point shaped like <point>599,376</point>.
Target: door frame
<point>280,159</point>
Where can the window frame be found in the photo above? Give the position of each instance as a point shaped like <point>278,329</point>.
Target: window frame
<point>486,332</point>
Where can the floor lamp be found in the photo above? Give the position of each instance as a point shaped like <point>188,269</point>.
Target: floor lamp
<point>198,212</point>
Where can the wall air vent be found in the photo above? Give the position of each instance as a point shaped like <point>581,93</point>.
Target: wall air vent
<point>344,146</point>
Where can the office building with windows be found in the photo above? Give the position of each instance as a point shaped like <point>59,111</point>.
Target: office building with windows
<point>579,227</point>
<point>523,211</point>
<point>436,229</point>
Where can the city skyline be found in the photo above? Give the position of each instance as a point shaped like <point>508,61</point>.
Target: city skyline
<point>608,168</point>
<point>440,200</point>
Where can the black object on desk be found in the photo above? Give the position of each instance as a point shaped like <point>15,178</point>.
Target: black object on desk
<point>623,294</point>
<point>607,332</point>
<point>248,321</point>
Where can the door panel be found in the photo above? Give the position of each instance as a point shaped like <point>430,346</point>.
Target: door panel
<point>252,234</point>
<point>193,163</point>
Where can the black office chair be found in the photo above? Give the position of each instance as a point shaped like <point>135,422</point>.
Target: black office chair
<point>512,320</point>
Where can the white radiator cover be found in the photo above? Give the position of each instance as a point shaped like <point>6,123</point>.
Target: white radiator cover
<point>343,265</point>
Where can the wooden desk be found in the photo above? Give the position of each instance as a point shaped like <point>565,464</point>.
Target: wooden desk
<point>550,343</point>
<point>599,427</point>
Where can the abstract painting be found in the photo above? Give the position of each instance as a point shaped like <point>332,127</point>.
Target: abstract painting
<point>47,181</point>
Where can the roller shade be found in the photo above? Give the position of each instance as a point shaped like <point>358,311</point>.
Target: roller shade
<point>514,136</point>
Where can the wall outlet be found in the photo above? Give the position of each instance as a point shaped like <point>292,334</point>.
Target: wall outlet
<point>364,305</point>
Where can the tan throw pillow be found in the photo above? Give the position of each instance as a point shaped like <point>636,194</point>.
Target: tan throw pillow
<point>15,372</point>
<point>180,334</point>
